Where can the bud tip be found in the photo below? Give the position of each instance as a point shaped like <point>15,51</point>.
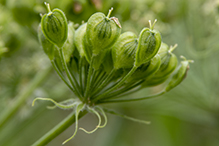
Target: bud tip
<point>110,11</point>
<point>150,25</point>
<point>48,7</point>
<point>172,48</point>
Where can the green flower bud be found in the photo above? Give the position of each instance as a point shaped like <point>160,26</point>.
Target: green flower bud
<point>147,70</point>
<point>54,26</point>
<point>163,48</point>
<point>179,74</point>
<point>68,47</point>
<point>154,81</point>
<point>47,46</point>
<point>98,59</point>
<point>148,46</point>
<point>81,44</point>
<point>102,31</point>
<point>124,50</point>
<point>79,37</point>
<point>168,63</point>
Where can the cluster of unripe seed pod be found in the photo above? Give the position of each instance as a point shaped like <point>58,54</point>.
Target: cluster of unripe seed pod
<point>101,64</point>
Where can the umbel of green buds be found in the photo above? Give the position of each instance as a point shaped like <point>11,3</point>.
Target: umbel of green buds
<point>149,44</point>
<point>102,31</point>
<point>101,65</point>
<point>54,26</point>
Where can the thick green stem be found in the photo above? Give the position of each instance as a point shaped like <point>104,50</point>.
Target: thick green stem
<point>21,98</point>
<point>58,129</point>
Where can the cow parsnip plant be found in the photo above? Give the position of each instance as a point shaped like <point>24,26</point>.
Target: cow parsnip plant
<point>101,65</point>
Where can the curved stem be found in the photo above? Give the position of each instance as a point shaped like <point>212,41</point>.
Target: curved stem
<point>99,123</point>
<point>124,90</point>
<point>80,75</point>
<point>124,94</point>
<point>98,81</point>
<point>58,129</point>
<point>104,83</point>
<point>86,68</point>
<point>60,105</point>
<point>75,80</point>
<point>21,98</point>
<point>68,72</point>
<point>60,75</point>
<point>126,117</point>
<point>117,85</point>
<point>134,99</point>
<point>89,79</point>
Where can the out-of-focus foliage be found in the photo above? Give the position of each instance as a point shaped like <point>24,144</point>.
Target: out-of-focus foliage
<point>188,115</point>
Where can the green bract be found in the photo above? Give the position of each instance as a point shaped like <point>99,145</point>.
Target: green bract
<point>124,50</point>
<point>102,31</point>
<point>54,26</point>
<point>148,46</point>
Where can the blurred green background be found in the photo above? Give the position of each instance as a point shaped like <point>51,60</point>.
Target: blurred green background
<point>186,116</point>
